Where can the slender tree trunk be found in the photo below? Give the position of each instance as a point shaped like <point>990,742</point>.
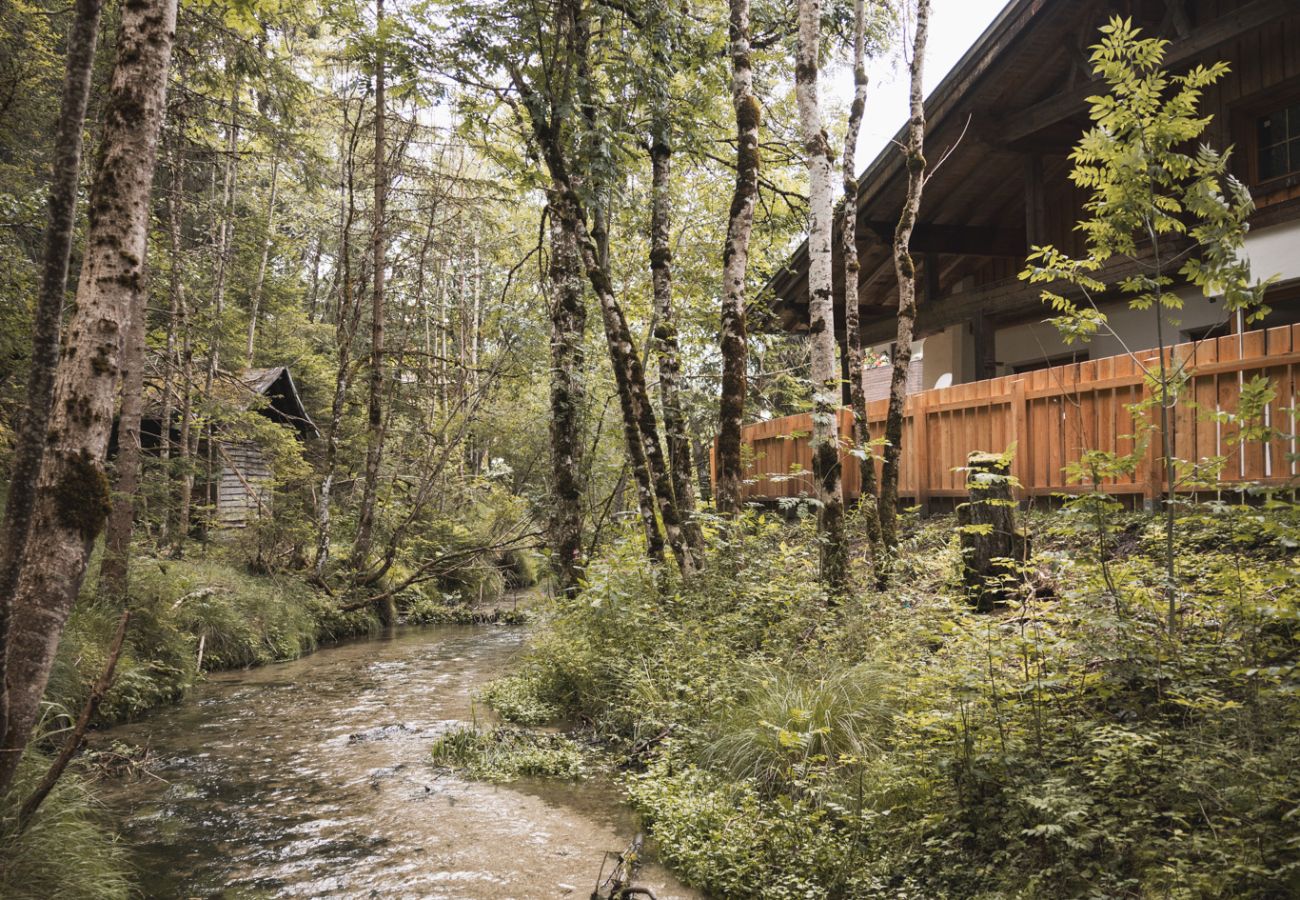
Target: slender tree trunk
<point>665,334</point>
<point>568,325</point>
<point>735,264</point>
<point>375,413</point>
<point>61,220</point>
<point>821,306</point>
<point>114,565</point>
<point>72,496</point>
<point>255,301</point>
<point>905,271</point>
<point>852,317</point>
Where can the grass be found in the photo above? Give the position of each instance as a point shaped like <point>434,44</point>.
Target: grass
<point>505,754</point>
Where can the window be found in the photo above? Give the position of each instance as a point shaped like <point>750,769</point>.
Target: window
<point>1278,143</point>
<point>1049,362</point>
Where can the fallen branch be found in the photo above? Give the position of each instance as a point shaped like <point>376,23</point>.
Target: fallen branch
<point>73,744</point>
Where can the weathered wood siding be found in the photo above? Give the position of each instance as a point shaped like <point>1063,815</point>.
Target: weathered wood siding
<point>244,486</point>
<point>1051,417</point>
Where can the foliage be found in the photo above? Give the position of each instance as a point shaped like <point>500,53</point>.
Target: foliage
<point>506,754</point>
<point>67,850</point>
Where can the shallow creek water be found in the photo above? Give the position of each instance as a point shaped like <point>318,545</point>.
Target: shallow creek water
<point>312,779</point>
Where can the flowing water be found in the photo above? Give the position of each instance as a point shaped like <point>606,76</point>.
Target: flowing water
<point>312,779</point>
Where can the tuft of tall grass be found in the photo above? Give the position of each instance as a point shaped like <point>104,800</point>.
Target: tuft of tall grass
<point>66,851</point>
<point>787,720</point>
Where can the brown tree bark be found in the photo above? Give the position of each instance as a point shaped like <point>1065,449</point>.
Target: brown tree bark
<point>735,263</point>
<point>905,271</point>
<point>825,442</point>
<point>115,562</point>
<point>993,549</point>
<point>568,325</point>
<point>852,316</point>
<point>61,213</point>
<point>379,248</point>
<point>72,494</point>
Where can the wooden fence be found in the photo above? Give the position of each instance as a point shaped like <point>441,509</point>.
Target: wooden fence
<point>1052,416</point>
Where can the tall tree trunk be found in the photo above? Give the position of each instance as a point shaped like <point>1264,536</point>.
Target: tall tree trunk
<point>255,301</point>
<point>568,324</point>
<point>735,263</point>
<point>62,214</point>
<point>224,248</point>
<point>826,388</point>
<point>905,271</point>
<point>665,334</point>
<point>117,535</point>
<point>345,325</point>
<point>72,496</point>
<point>852,316</point>
<point>375,409</point>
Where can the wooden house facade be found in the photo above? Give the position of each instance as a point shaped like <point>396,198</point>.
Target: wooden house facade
<point>1004,121</point>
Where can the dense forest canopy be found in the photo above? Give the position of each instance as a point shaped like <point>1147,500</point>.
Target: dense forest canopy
<point>321,317</point>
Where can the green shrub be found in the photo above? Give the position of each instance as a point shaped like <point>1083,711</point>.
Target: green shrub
<point>504,754</point>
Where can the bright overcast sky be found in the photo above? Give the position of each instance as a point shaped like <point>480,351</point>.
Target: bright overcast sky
<point>954,27</point>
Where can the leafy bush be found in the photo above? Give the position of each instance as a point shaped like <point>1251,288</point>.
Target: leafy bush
<point>504,754</point>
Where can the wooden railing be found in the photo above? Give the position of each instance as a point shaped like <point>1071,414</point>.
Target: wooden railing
<point>1052,416</point>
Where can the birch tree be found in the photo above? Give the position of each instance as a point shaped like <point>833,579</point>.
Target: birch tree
<point>72,491</point>
<point>735,262</point>
<point>825,441</point>
<point>905,272</point>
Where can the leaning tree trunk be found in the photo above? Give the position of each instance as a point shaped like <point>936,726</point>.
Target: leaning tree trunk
<point>735,264</point>
<point>821,306</point>
<point>852,318</point>
<point>117,535</point>
<point>905,271</point>
<point>72,497</point>
<point>375,407</point>
<point>62,209</point>
<point>568,324</point>
<point>665,336</point>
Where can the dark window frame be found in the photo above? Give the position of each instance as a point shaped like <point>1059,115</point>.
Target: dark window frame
<point>1247,116</point>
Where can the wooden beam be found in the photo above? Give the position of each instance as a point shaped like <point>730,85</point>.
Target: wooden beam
<point>1227,27</point>
<point>959,240</point>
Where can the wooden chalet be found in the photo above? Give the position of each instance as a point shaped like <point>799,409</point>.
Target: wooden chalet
<point>992,372</point>
<point>241,483</point>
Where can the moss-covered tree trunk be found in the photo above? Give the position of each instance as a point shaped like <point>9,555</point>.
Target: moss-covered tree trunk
<point>852,316</point>
<point>72,494</point>
<point>905,271</point>
<point>61,217</point>
<point>825,443</point>
<point>992,548</point>
<point>665,336</point>
<point>735,264</point>
<point>568,326</point>
<point>126,468</point>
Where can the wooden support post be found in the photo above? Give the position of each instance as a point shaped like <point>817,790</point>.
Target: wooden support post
<point>993,549</point>
<point>920,450</point>
<point>1020,434</point>
<point>1035,207</point>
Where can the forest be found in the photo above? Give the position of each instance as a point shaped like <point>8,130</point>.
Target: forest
<point>529,448</point>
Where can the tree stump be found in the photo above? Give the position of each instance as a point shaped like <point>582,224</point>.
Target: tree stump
<point>993,549</point>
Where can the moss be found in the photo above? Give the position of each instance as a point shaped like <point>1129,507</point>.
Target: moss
<point>82,495</point>
<point>749,114</point>
<point>660,257</point>
<point>915,163</point>
<point>826,463</point>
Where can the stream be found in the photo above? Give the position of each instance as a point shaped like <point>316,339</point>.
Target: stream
<point>312,778</point>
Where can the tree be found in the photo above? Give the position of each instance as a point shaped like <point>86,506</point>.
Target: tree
<point>375,407</point>
<point>1176,212</point>
<point>826,390</point>
<point>849,245</point>
<point>905,272</point>
<point>735,262</point>
<point>72,493</point>
<point>62,208</point>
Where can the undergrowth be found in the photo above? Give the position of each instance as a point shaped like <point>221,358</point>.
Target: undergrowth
<point>901,744</point>
<point>505,754</point>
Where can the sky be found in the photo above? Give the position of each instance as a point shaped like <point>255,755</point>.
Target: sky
<point>954,26</point>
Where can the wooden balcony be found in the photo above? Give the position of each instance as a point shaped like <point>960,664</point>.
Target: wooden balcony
<point>1052,416</point>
